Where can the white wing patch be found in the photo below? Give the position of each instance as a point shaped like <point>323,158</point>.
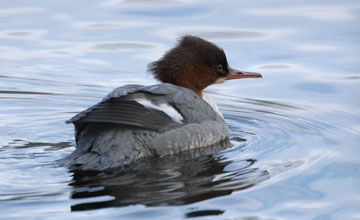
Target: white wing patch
<point>153,87</point>
<point>212,104</point>
<point>166,108</point>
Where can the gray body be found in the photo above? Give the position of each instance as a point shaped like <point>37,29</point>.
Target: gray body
<point>120,129</point>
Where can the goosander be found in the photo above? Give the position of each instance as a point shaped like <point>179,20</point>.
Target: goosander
<point>136,121</point>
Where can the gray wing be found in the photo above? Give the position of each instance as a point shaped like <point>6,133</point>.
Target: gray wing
<point>122,107</point>
<point>126,112</point>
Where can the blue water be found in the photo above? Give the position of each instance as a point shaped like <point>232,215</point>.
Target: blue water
<point>295,132</point>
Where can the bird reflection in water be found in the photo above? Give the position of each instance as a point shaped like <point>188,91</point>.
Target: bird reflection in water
<point>178,179</point>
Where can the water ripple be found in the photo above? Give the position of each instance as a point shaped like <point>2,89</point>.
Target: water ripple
<point>258,125</point>
<point>166,181</point>
<point>293,150</point>
<point>123,46</point>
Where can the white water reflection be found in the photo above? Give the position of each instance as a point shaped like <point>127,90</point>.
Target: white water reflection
<point>322,13</point>
<point>111,24</point>
<point>226,33</point>
<point>20,11</point>
<point>74,49</point>
<point>22,34</point>
<point>119,3</point>
<point>304,72</point>
<point>61,17</point>
<point>317,47</point>
<point>124,46</point>
<point>93,61</point>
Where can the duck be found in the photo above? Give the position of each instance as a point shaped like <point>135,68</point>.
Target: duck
<point>134,121</point>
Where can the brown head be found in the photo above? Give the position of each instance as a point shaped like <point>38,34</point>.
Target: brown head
<point>195,63</point>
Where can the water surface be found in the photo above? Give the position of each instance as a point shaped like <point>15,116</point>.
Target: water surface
<point>294,145</point>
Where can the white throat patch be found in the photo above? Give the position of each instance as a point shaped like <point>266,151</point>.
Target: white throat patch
<point>220,80</point>
<point>212,104</point>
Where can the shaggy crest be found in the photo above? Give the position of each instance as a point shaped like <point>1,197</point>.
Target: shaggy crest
<point>192,58</point>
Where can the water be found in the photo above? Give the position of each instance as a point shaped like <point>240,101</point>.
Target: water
<point>295,133</point>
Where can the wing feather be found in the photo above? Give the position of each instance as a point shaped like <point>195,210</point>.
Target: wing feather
<point>126,112</point>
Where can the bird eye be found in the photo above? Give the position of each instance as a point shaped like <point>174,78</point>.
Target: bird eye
<point>219,67</point>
